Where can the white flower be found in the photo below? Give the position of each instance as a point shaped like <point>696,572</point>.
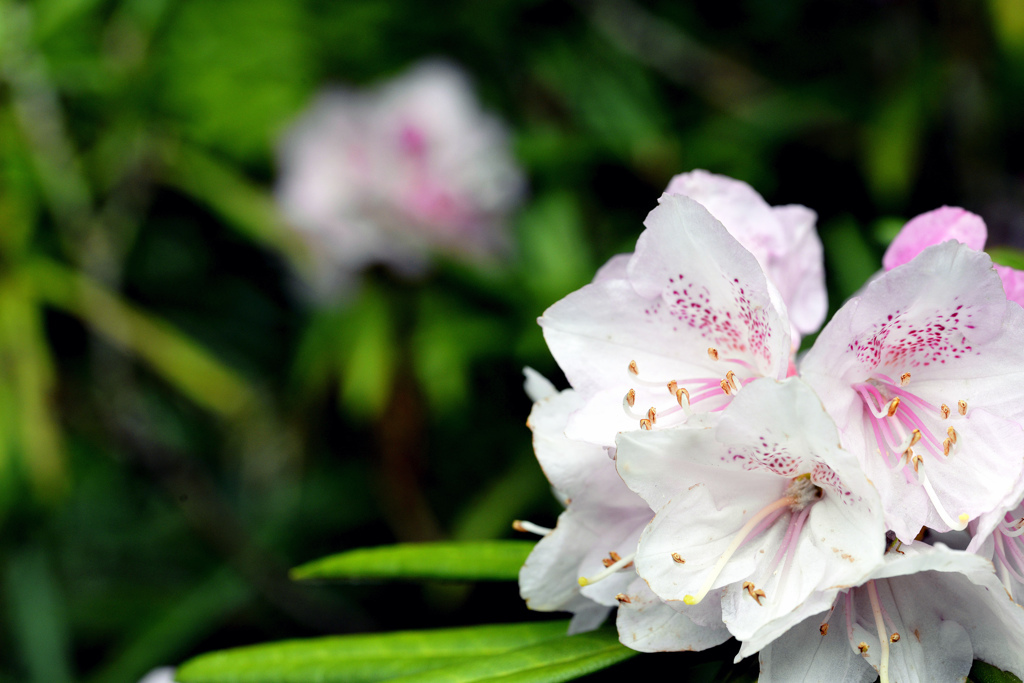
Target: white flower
<point>761,503</point>
<point>388,175</point>
<point>164,674</point>
<point>783,239</point>
<point>922,618</point>
<point>597,533</point>
<point>679,326</point>
<point>924,375</point>
<point>999,536</point>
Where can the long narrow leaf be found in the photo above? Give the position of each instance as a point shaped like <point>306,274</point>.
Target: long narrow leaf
<point>365,658</point>
<point>550,662</point>
<point>182,362</point>
<point>451,561</point>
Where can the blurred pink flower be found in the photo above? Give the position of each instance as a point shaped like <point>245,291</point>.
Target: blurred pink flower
<point>391,174</point>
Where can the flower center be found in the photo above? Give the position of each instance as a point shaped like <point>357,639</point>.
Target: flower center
<point>900,421</point>
<point>800,497</point>
<point>714,392</point>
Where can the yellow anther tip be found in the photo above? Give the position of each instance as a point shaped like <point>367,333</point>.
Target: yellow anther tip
<point>964,517</point>
<point>583,581</point>
<point>690,600</point>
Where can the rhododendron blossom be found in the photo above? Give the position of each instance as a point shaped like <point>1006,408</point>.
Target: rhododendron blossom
<point>924,375</point>
<point>922,618</point>
<point>782,239</point>
<point>680,326</point>
<point>949,223</point>
<point>759,506</point>
<point>388,175</point>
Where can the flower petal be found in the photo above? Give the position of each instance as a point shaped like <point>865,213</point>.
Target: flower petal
<point>804,654</point>
<point>935,227</point>
<point>647,624</point>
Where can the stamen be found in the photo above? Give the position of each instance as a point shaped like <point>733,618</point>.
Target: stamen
<point>944,409</point>
<point>726,387</point>
<point>530,528</point>
<point>631,398</point>
<point>676,558</point>
<point>608,571</point>
<point>737,540</point>
<point>863,647</point>
<point>823,629</point>
<point>1012,531</point>
<point>961,407</point>
<point>628,401</point>
<point>909,441</point>
<point>894,638</point>
<point>893,405</point>
<point>754,591</point>
<point>934,498</point>
<point>652,415</point>
<point>883,668</point>
<point>681,394</point>
<point>712,353</point>
<point>646,424</point>
<point>952,434</point>
<point>946,445</point>
<point>731,378</point>
<point>904,379</point>
<point>622,598</point>
<point>612,558</point>
<point>633,368</point>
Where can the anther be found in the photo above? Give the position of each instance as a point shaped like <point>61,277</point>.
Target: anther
<point>913,459</point>
<point>673,386</point>
<point>952,434</point>
<point>646,424</point>
<point>712,353</point>
<point>946,445</point>
<point>530,528</point>
<point>677,559</point>
<point>623,598</point>
<point>824,629</point>
<point>904,379</point>
<point>725,387</point>
<point>633,368</point>
<point>682,393</point>
<point>961,407</point>
<point>652,415</point>
<point>612,558</point>
<point>631,398</point>
<point>753,591</point>
<point>893,405</point>
<point>863,647</point>
<point>730,377</point>
<point>894,638</point>
<point>944,409</point>
<point>622,563</point>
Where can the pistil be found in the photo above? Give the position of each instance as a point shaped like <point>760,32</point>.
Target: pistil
<point>608,571</point>
<point>883,668</point>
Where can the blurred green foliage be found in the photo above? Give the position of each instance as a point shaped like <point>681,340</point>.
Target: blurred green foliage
<point>180,422</point>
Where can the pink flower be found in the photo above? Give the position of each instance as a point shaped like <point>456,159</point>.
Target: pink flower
<point>949,223</point>
<point>924,375</point>
<point>390,174</point>
<point>782,239</point>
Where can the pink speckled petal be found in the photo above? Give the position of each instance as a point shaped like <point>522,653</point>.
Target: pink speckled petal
<point>783,239</point>
<point>935,227</point>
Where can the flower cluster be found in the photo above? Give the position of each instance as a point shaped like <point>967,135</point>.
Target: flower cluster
<point>389,175</point>
<point>717,486</point>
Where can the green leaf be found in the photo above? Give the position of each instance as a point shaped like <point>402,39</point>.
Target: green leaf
<point>850,258</point>
<point>368,354</point>
<point>1007,256</point>
<point>986,673</point>
<point>556,660</point>
<point>358,658</point>
<point>445,560</point>
<point>179,360</point>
